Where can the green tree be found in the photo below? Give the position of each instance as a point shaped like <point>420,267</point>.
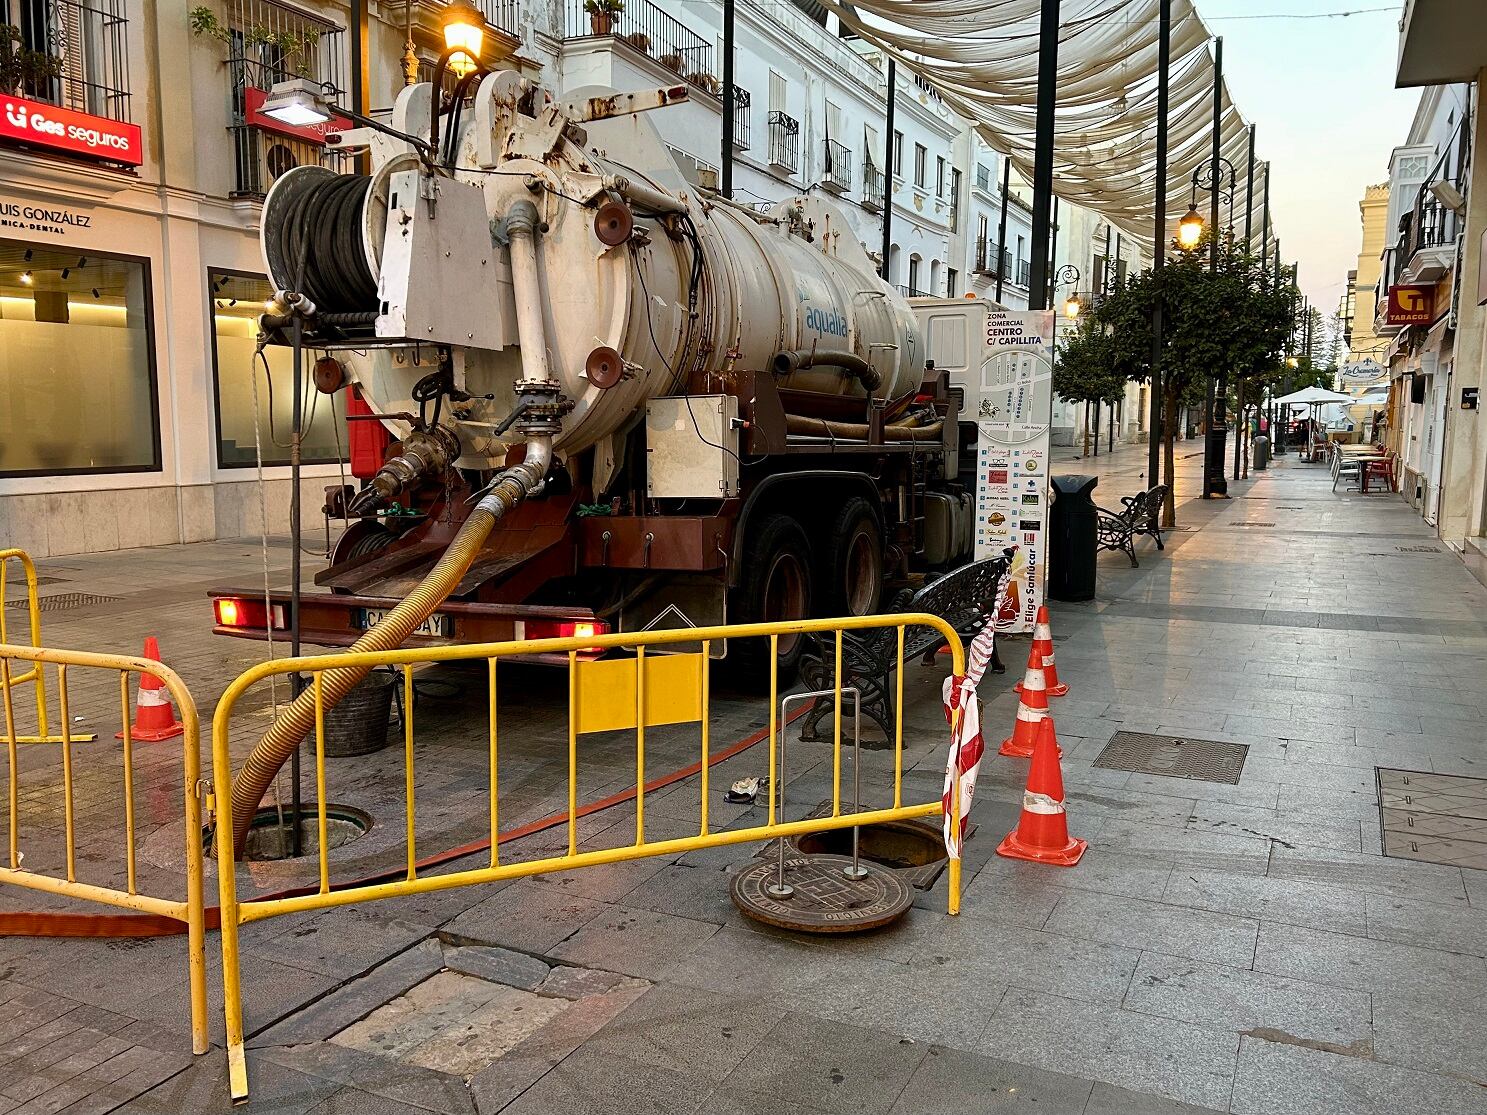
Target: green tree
<point>1234,319</point>
<point>1086,370</point>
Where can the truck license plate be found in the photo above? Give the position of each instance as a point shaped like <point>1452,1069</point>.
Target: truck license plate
<point>435,627</point>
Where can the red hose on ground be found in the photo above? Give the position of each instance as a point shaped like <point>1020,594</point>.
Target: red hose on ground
<point>46,923</point>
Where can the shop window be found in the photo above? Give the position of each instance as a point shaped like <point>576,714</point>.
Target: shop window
<point>237,300</point>
<point>77,362</point>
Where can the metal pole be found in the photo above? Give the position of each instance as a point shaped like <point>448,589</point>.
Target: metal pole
<point>1001,231</point>
<point>295,441</point>
<point>1053,257</point>
<point>1265,222</point>
<point>1249,193</point>
<point>888,172</point>
<point>1159,245</point>
<point>1218,389</point>
<point>361,94</point>
<point>728,107</point>
<point>1043,154</point>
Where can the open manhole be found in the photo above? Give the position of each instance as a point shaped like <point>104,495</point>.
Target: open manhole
<point>916,851</point>
<point>271,836</point>
<point>1207,760</point>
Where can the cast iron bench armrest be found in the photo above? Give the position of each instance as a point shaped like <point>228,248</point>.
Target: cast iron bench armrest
<point>964,598</point>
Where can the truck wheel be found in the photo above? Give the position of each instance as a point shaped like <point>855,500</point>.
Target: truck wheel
<point>851,577</point>
<point>776,585</point>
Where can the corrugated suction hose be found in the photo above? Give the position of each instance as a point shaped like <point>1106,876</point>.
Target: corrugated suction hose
<point>539,423</point>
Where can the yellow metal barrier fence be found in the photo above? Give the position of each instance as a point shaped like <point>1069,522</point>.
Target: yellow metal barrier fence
<point>603,695</point>
<point>34,676</point>
<point>190,910</point>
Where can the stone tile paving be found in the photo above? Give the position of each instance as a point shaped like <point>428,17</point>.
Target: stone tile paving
<point>1238,948</point>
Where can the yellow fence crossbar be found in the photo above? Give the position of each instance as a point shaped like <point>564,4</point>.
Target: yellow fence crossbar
<point>620,692</point>
<point>189,910</point>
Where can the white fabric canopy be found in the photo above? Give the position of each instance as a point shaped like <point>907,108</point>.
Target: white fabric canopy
<point>1309,395</point>
<point>981,56</point>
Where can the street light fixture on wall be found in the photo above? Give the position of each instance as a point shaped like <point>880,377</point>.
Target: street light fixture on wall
<point>1068,275</point>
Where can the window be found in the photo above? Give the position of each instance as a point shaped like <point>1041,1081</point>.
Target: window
<point>1021,249</point>
<point>983,177</point>
<point>913,275</point>
<point>898,153</point>
<point>954,200</point>
<point>939,176</point>
<point>921,156</point>
<point>952,282</point>
<point>86,38</point>
<point>834,123</point>
<point>77,362</point>
<point>778,92</point>
<point>236,302</point>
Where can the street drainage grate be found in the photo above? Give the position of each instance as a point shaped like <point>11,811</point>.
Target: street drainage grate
<point>1434,818</point>
<point>64,601</point>
<point>1206,760</point>
<point>1252,524</point>
<point>1417,549</point>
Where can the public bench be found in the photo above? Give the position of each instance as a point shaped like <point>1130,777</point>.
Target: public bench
<point>1140,515</point>
<point>965,598</point>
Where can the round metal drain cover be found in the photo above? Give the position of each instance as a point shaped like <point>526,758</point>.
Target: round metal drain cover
<point>824,900</point>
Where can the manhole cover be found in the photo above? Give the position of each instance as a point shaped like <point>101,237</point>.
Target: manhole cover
<point>1207,760</point>
<point>1252,524</point>
<point>1436,818</point>
<point>64,601</point>
<point>823,899</point>
<point>1417,549</point>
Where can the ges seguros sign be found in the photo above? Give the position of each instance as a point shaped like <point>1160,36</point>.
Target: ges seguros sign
<point>65,129</point>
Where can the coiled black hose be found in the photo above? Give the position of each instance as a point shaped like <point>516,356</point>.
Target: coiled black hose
<point>321,232</point>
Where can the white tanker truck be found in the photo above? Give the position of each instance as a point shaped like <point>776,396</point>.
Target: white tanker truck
<point>680,410</point>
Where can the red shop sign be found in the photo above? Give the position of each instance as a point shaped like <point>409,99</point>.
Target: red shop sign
<point>65,129</point>
<point>314,133</point>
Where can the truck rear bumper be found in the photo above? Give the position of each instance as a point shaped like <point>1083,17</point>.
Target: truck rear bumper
<point>338,620</point>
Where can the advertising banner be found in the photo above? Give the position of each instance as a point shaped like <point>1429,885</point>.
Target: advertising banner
<point>253,100</point>
<point>65,129</point>
<point>1012,401</point>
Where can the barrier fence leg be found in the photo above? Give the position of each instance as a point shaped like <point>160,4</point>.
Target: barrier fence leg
<point>196,935</point>
<point>232,993</point>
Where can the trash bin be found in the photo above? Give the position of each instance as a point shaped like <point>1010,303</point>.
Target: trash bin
<point>1261,445</point>
<point>357,724</point>
<point>1073,535</point>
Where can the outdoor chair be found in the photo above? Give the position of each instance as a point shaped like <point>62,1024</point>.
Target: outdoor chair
<point>1342,466</point>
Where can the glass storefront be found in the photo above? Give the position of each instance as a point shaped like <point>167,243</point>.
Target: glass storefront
<point>237,300</point>
<point>77,362</point>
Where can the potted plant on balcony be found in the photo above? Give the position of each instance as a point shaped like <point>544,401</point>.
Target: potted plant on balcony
<point>640,41</point>
<point>602,13</point>
<point>22,69</point>
<point>709,83</point>
<point>673,61</point>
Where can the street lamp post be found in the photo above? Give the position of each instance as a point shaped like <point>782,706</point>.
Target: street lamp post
<point>1159,244</point>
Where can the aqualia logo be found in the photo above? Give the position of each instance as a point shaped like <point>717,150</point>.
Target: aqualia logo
<point>826,321</point>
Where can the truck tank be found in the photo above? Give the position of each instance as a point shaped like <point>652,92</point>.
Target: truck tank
<point>650,285</point>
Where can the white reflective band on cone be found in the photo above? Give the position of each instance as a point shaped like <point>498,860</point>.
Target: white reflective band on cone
<point>1031,715</point>
<point>1034,802</point>
<point>1043,631</point>
<point>154,696</point>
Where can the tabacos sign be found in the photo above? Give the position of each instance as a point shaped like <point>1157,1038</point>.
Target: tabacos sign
<point>65,129</point>
<point>1410,305</point>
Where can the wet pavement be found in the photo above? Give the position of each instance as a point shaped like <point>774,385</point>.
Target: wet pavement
<point>1223,946</point>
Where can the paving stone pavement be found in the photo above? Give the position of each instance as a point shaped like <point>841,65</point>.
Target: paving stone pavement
<point>1235,948</point>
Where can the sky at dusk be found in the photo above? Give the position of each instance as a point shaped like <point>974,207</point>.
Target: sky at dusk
<point>1321,94</point>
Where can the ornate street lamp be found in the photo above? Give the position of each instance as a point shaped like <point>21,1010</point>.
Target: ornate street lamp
<point>464,35</point>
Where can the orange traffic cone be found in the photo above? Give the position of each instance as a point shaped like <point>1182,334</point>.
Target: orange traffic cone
<point>1032,709</point>
<point>1042,833</point>
<point>154,715</point>
<point>1043,641</point>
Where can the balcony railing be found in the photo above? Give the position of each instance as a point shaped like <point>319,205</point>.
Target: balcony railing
<point>784,141</point>
<point>912,292</point>
<point>86,42</point>
<point>872,188</point>
<point>743,118</point>
<point>1024,272</point>
<point>986,258</point>
<point>267,43</point>
<point>837,172</point>
<point>645,28</point>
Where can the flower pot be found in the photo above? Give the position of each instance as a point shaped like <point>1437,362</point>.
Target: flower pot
<point>600,23</point>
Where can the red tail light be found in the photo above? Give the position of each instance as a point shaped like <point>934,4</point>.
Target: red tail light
<point>235,611</point>
<point>565,629</point>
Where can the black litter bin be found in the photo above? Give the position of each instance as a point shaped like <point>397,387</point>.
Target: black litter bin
<point>1073,535</point>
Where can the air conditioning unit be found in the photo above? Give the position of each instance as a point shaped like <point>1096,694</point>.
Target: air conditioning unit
<point>274,159</point>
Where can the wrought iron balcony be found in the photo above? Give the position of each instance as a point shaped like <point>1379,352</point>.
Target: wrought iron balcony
<point>986,258</point>
<point>743,118</point>
<point>84,50</point>
<point>837,171</point>
<point>784,141</point>
<point>648,30</point>
<point>873,197</point>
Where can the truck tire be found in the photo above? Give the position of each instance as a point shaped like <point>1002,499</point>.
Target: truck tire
<point>776,585</point>
<point>850,576</point>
